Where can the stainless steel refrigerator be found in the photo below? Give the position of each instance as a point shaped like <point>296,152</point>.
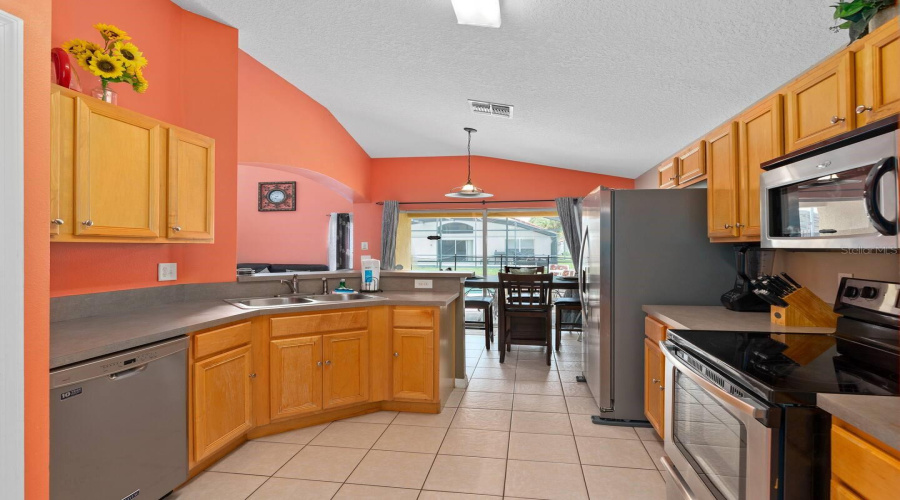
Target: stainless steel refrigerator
<point>640,247</point>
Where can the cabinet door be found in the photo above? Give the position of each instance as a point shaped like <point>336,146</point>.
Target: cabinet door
<point>882,75</point>
<point>819,104</point>
<point>346,376</point>
<point>192,186</point>
<point>761,139</point>
<point>116,172</point>
<point>55,163</point>
<point>692,163</point>
<point>654,397</point>
<point>413,364</point>
<point>295,376</point>
<point>722,182</point>
<point>668,174</point>
<point>221,400</point>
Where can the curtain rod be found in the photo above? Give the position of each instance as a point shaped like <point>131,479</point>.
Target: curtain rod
<point>482,202</point>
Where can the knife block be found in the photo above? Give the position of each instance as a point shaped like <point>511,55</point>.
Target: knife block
<point>804,309</point>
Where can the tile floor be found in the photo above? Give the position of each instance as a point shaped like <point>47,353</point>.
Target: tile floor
<point>520,430</point>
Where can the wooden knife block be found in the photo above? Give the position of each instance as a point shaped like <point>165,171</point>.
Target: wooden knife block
<point>804,309</point>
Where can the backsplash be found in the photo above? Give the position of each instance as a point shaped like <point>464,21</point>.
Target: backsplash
<point>819,270</point>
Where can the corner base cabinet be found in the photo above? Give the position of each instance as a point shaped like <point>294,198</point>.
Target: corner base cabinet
<point>862,467</point>
<point>654,374</point>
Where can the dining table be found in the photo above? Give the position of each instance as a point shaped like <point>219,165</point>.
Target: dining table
<point>493,282</point>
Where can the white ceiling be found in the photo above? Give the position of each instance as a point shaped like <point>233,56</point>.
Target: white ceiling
<point>602,86</point>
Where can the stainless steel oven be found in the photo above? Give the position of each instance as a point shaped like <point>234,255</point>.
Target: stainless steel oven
<point>721,442</point>
<point>843,198</point>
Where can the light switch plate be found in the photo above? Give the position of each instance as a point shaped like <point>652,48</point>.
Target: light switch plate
<point>423,283</point>
<point>364,245</point>
<point>167,271</point>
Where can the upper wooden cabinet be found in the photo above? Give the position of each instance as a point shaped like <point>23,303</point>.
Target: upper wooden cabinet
<point>879,63</point>
<point>722,182</point>
<point>820,103</point>
<point>668,174</point>
<point>691,163</point>
<point>761,138</point>
<point>192,186</point>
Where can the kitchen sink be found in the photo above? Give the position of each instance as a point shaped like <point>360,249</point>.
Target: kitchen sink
<point>290,301</point>
<point>341,297</point>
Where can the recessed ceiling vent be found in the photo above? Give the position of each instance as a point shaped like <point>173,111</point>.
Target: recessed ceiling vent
<point>491,108</point>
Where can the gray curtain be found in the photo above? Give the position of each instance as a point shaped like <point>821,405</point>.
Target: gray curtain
<point>569,210</point>
<point>390,219</point>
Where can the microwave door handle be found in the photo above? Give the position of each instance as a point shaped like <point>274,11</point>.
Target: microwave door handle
<point>680,485</point>
<point>878,171</point>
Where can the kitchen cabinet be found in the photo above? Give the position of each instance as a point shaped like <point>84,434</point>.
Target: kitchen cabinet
<point>413,364</point>
<point>879,65</point>
<point>667,174</point>
<point>820,103</point>
<point>295,367</point>
<point>654,374</point>
<point>862,466</point>
<point>722,182</point>
<point>191,187</point>
<point>760,139</point>
<point>346,377</point>
<point>220,400</point>
<point>691,163</point>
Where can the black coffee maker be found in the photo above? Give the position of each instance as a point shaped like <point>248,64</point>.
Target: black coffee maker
<point>751,262</point>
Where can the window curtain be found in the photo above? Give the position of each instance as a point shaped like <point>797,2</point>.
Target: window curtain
<point>569,210</point>
<point>390,219</point>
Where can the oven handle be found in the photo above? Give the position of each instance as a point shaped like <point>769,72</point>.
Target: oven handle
<point>878,171</point>
<point>731,400</point>
<point>683,488</point>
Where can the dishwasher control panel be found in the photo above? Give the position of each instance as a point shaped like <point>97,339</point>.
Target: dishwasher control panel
<point>110,365</point>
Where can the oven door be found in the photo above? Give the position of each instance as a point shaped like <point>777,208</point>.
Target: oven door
<point>842,199</point>
<point>717,444</point>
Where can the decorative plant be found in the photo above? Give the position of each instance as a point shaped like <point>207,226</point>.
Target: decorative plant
<point>116,61</point>
<point>856,15</point>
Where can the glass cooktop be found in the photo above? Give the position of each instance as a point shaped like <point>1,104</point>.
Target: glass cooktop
<point>794,367</point>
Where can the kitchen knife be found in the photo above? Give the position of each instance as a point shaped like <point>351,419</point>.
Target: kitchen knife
<point>765,297</point>
<point>784,284</point>
<point>791,280</point>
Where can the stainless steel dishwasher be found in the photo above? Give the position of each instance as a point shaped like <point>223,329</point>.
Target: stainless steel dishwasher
<point>118,425</point>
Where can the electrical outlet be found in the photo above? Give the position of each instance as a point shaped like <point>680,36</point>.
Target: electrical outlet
<point>423,283</point>
<point>843,275</point>
<point>364,245</point>
<point>167,271</point>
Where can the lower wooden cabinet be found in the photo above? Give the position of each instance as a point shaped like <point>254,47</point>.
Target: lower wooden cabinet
<point>295,376</point>
<point>862,466</point>
<point>346,377</point>
<point>413,364</point>
<point>654,385</point>
<point>221,400</point>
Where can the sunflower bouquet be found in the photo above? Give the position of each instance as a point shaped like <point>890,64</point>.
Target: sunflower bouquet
<point>115,61</point>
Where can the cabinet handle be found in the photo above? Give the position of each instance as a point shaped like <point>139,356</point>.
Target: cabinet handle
<point>662,388</point>
<point>318,363</point>
<point>738,225</point>
<point>672,178</point>
<point>58,222</point>
<point>252,375</point>
<point>835,119</point>
<point>727,226</point>
<point>176,228</point>
<point>328,362</point>
<point>87,223</point>
<point>862,109</point>
<point>656,381</point>
<point>396,354</point>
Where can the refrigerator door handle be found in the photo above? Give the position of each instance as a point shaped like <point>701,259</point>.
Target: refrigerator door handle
<point>582,279</point>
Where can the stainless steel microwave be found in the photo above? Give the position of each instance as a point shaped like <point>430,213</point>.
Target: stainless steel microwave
<point>840,199</point>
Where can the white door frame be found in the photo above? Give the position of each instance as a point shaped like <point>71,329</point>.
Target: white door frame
<point>12,278</point>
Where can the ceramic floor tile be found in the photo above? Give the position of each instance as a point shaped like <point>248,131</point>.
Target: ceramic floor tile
<point>582,406</point>
<point>647,434</point>
<point>487,400</point>
<point>613,483</point>
<point>441,419</point>
<point>444,495</point>
<point>570,365</point>
<point>491,362</point>
<point>220,486</point>
<point>495,373</point>
<point>322,463</point>
<point>378,417</point>
<point>544,480</point>
<point>494,353</point>
<point>544,388</point>
<point>613,452</point>
<point>296,436</point>
<point>568,376</point>
<point>411,438</point>
<point>257,458</point>
<point>536,375</point>
<point>543,448</point>
<point>277,488</point>
<point>582,426</point>
<point>528,348</point>
<point>579,389</point>
<point>489,385</point>
<point>467,475</point>
<point>477,418</point>
<point>536,354</point>
<point>392,468</point>
<point>656,451</point>
<point>455,398</point>
<point>534,402</point>
<point>349,435</point>
<point>475,443</point>
<point>363,492</point>
<point>541,423</point>
<point>536,364</point>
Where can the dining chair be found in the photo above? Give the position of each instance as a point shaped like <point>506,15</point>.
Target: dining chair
<point>523,269</point>
<point>525,312</point>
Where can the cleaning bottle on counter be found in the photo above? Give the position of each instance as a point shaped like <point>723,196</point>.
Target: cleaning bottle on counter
<point>371,272</point>
<point>343,288</point>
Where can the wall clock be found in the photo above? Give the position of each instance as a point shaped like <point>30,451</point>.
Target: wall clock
<point>277,196</point>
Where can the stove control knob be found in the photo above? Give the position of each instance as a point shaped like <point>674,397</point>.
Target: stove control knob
<point>869,292</point>
<point>851,292</point>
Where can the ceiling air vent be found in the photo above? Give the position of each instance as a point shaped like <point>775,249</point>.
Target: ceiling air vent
<point>491,108</point>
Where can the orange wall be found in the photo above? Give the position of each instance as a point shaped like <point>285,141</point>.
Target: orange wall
<point>280,125</point>
<point>36,17</point>
<point>193,84</point>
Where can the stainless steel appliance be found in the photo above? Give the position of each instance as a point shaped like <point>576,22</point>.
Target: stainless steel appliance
<point>752,262</point>
<point>118,425</point>
<point>741,415</point>
<point>640,247</point>
<point>842,195</point>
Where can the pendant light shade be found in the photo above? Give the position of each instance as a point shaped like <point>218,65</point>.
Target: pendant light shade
<point>468,190</point>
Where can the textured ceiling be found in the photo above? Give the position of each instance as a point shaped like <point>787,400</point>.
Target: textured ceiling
<point>602,86</point>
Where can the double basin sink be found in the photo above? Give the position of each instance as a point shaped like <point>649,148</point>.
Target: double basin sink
<point>296,300</point>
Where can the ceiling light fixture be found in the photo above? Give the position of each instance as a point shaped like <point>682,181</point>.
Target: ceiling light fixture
<point>484,13</point>
<point>468,190</point>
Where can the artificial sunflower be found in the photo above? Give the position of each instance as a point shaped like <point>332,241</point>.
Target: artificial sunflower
<point>110,33</point>
<point>75,47</point>
<point>107,66</point>
<point>84,59</point>
<point>139,83</point>
<point>132,56</point>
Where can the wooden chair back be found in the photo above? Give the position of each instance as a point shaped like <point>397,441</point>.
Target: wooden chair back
<point>529,291</point>
<point>523,269</point>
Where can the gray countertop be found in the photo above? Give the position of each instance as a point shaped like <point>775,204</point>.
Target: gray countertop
<point>80,339</point>
<point>876,415</point>
<point>353,273</point>
<point>719,318</point>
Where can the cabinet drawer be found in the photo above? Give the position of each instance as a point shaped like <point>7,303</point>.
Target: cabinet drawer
<point>413,317</point>
<point>319,323</point>
<point>862,463</point>
<point>654,330</point>
<point>220,340</point>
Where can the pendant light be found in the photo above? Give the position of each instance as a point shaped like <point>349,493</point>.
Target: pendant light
<point>468,190</point>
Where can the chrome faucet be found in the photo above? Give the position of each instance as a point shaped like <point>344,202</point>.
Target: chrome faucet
<point>293,283</point>
<point>324,286</point>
